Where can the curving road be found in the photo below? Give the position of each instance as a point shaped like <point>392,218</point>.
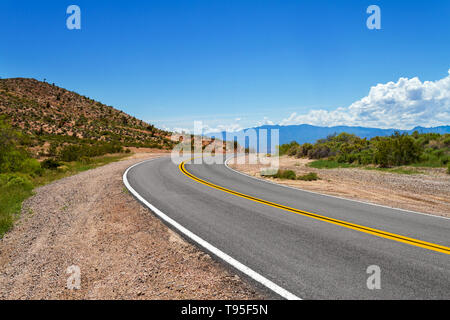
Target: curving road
<point>318,248</point>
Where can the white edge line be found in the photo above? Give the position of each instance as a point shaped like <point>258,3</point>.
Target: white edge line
<point>329,195</point>
<point>217,252</point>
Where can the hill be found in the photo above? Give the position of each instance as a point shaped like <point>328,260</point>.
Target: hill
<point>48,113</point>
<point>47,133</point>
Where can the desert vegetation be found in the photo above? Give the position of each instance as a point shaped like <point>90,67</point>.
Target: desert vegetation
<point>20,172</point>
<point>291,175</point>
<point>47,133</point>
<point>347,150</point>
<point>55,117</point>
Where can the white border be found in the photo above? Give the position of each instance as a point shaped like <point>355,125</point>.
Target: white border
<point>222,255</point>
<point>329,195</point>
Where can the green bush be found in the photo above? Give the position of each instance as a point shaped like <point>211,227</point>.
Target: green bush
<point>19,171</point>
<point>285,174</point>
<point>396,150</point>
<point>446,141</point>
<point>12,180</point>
<point>72,152</point>
<point>320,151</point>
<point>430,149</point>
<point>312,176</point>
<point>293,150</point>
<point>290,175</point>
<point>50,164</point>
<point>304,150</point>
<point>14,189</point>
<point>31,166</point>
<point>13,156</point>
<point>445,160</point>
<point>284,148</point>
<point>11,161</point>
<point>85,160</point>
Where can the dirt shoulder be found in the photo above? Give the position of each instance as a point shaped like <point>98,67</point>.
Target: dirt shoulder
<point>427,192</point>
<point>123,251</point>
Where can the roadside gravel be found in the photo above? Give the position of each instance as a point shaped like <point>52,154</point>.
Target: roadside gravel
<point>123,251</point>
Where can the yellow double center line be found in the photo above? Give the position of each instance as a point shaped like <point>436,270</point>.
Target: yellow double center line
<point>375,232</point>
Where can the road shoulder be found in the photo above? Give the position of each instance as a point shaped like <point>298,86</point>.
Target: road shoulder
<point>122,250</point>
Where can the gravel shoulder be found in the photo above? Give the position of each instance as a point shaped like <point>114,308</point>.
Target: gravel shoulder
<point>123,251</point>
<point>427,192</point>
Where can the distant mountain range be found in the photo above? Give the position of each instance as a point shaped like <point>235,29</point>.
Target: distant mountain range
<point>308,133</point>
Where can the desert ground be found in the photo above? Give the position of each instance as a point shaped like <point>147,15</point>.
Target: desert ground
<point>427,191</point>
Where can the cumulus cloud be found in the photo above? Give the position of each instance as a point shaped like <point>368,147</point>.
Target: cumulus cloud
<point>265,121</point>
<point>403,104</point>
<point>218,126</point>
<point>231,127</point>
<point>234,126</point>
<point>206,129</point>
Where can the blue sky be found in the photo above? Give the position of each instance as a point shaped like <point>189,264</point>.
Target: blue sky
<point>173,62</point>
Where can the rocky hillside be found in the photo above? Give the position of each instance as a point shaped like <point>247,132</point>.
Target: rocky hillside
<point>49,113</point>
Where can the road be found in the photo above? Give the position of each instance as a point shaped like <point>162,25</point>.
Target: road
<point>322,251</point>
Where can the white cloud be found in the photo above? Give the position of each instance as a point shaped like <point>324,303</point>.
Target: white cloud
<point>403,105</point>
<point>265,121</point>
<point>217,126</point>
<point>179,130</point>
<point>206,129</point>
<point>231,127</point>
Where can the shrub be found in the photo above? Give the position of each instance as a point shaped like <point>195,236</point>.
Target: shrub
<point>446,141</point>
<point>13,157</point>
<point>320,151</point>
<point>284,148</point>
<point>50,164</point>
<point>445,160</point>
<point>53,149</point>
<point>70,153</point>
<point>30,166</point>
<point>304,149</point>
<point>85,160</point>
<point>14,180</point>
<point>427,149</point>
<point>14,188</point>
<point>293,150</point>
<point>11,161</point>
<point>312,176</point>
<point>285,174</point>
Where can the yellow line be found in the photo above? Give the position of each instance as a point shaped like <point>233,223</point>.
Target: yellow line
<point>375,232</point>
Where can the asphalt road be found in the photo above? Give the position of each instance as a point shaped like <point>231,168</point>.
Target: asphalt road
<point>310,258</point>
